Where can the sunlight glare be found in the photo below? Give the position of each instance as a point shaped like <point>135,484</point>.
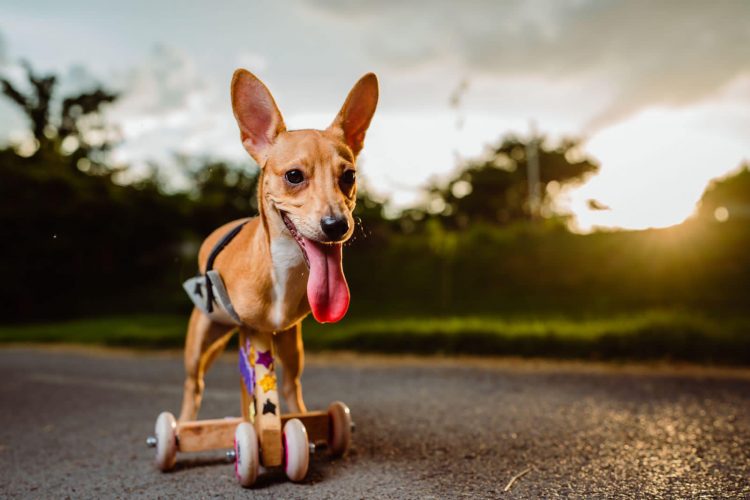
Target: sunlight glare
<point>655,167</point>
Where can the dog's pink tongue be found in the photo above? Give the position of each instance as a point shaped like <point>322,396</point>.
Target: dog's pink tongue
<point>327,290</point>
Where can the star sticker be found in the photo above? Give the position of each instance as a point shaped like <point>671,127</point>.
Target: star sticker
<point>268,382</point>
<point>265,358</point>
<point>247,371</point>
<point>269,407</point>
<point>198,290</point>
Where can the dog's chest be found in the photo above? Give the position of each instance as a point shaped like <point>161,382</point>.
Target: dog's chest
<point>289,279</point>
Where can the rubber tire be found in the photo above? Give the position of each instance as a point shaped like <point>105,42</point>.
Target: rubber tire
<point>246,463</point>
<point>165,431</point>
<point>296,450</point>
<point>339,428</point>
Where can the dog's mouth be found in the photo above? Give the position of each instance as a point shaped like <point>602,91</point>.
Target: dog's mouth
<point>327,291</point>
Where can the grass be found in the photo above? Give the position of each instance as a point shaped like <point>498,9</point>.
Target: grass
<point>647,335</point>
<point>147,331</point>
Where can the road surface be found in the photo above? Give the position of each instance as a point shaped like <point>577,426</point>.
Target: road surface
<point>73,424</point>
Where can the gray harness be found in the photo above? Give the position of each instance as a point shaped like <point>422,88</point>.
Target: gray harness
<point>207,291</point>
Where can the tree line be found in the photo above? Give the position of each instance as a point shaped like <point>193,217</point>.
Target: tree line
<point>487,240</point>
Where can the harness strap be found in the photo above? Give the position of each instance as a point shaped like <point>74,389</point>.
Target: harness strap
<point>223,242</point>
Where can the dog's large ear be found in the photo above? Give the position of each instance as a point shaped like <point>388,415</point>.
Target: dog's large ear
<point>352,121</point>
<point>256,113</point>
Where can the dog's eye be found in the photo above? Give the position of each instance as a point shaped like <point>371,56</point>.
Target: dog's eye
<point>348,177</point>
<point>294,176</point>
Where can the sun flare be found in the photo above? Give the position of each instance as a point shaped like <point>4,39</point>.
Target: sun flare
<point>655,167</point>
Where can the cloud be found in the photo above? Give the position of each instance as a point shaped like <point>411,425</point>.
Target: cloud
<point>647,53</point>
<point>167,108</point>
<point>164,82</point>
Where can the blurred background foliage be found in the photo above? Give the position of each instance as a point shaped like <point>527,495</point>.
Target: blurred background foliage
<point>485,244</point>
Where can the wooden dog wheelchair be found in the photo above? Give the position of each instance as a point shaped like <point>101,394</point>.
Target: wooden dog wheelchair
<point>261,438</point>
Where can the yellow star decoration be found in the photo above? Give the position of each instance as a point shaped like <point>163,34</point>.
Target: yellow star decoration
<point>251,408</point>
<point>268,382</point>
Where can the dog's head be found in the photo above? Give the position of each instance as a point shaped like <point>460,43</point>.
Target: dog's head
<point>309,179</point>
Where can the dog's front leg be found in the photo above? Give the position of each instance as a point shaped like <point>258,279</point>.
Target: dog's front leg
<point>290,352</point>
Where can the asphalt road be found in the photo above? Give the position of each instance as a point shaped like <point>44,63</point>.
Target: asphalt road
<point>73,424</point>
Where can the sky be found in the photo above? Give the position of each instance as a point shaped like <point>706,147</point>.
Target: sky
<point>658,90</point>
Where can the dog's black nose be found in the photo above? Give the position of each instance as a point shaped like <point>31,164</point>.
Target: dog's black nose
<point>334,227</point>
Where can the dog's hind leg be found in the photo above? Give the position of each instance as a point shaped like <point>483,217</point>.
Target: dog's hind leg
<point>205,341</point>
<point>290,352</point>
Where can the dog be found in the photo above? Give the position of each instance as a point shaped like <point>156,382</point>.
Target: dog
<point>266,274</point>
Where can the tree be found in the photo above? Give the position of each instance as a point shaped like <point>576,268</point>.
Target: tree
<point>495,188</point>
<point>76,130</point>
<point>80,242</point>
<point>222,192</point>
<point>728,198</point>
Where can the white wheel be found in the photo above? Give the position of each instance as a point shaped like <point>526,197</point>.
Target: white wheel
<point>296,450</point>
<point>166,441</point>
<point>246,454</point>
<point>339,428</point>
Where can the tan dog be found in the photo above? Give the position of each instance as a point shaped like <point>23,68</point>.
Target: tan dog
<point>287,260</point>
